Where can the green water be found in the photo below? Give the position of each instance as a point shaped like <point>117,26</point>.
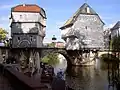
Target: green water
<point>85,78</point>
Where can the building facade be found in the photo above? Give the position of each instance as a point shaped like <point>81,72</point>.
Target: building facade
<point>59,44</point>
<point>83,30</point>
<point>115,30</point>
<point>107,37</point>
<point>28,24</point>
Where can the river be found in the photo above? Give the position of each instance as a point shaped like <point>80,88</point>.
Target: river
<point>85,78</point>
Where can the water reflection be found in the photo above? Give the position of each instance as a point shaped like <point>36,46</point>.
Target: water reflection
<point>85,78</point>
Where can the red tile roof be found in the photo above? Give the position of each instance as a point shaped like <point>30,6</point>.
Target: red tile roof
<point>26,8</point>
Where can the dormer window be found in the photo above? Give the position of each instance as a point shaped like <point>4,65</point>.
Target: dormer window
<point>87,9</point>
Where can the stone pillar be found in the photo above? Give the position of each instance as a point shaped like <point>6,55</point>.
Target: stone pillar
<point>38,61</point>
<point>31,60</point>
<point>37,75</point>
<point>6,53</point>
<point>22,60</point>
<point>1,57</point>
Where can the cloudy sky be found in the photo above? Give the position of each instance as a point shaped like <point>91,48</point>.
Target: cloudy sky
<point>58,11</point>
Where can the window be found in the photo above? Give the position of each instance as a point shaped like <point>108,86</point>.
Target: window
<point>87,9</point>
<point>31,38</point>
<point>20,16</point>
<point>18,38</point>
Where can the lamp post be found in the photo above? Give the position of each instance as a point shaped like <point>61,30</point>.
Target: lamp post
<point>53,40</point>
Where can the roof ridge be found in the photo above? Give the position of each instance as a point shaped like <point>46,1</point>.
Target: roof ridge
<point>82,10</point>
<point>116,25</point>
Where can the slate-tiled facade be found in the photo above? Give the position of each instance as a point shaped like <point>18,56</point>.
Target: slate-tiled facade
<point>83,30</point>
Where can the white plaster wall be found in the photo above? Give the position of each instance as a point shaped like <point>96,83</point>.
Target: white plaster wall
<point>28,21</point>
<point>27,26</point>
<point>28,17</point>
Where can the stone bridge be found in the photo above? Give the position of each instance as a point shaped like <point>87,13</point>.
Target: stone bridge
<point>34,55</point>
<point>31,54</point>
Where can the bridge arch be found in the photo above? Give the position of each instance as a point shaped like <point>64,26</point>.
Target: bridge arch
<point>62,52</point>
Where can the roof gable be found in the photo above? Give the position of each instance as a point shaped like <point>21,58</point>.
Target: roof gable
<point>84,9</point>
<point>117,25</point>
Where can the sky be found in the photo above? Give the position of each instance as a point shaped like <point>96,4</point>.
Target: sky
<point>58,11</point>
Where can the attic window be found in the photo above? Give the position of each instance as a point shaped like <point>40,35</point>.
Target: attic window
<point>87,9</point>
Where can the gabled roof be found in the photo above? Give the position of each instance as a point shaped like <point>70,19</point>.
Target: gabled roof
<point>81,10</point>
<point>116,26</point>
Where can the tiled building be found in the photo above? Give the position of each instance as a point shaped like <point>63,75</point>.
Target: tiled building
<point>115,30</point>
<point>28,24</point>
<point>83,30</point>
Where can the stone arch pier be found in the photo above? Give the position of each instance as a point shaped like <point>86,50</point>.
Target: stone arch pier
<point>61,51</point>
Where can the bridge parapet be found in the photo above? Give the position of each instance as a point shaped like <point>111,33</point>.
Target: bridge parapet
<point>21,82</point>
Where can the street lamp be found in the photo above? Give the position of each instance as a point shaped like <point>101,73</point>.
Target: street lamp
<point>54,39</point>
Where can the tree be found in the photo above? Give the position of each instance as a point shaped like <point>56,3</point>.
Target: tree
<point>3,34</point>
<point>51,45</point>
<point>116,43</point>
<point>51,59</point>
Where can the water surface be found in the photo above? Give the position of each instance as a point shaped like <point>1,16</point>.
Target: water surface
<point>85,78</point>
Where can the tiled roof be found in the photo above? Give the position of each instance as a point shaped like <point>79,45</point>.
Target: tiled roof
<point>29,8</point>
<point>26,8</point>
<point>81,10</point>
<point>116,26</point>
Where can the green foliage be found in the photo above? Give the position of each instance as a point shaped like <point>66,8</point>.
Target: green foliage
<point>111,42</point>
<point>51,59</point>
<point>109,59</point>
<point>51,45</point>
<point>116,43</point>
<point>3,34</point>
